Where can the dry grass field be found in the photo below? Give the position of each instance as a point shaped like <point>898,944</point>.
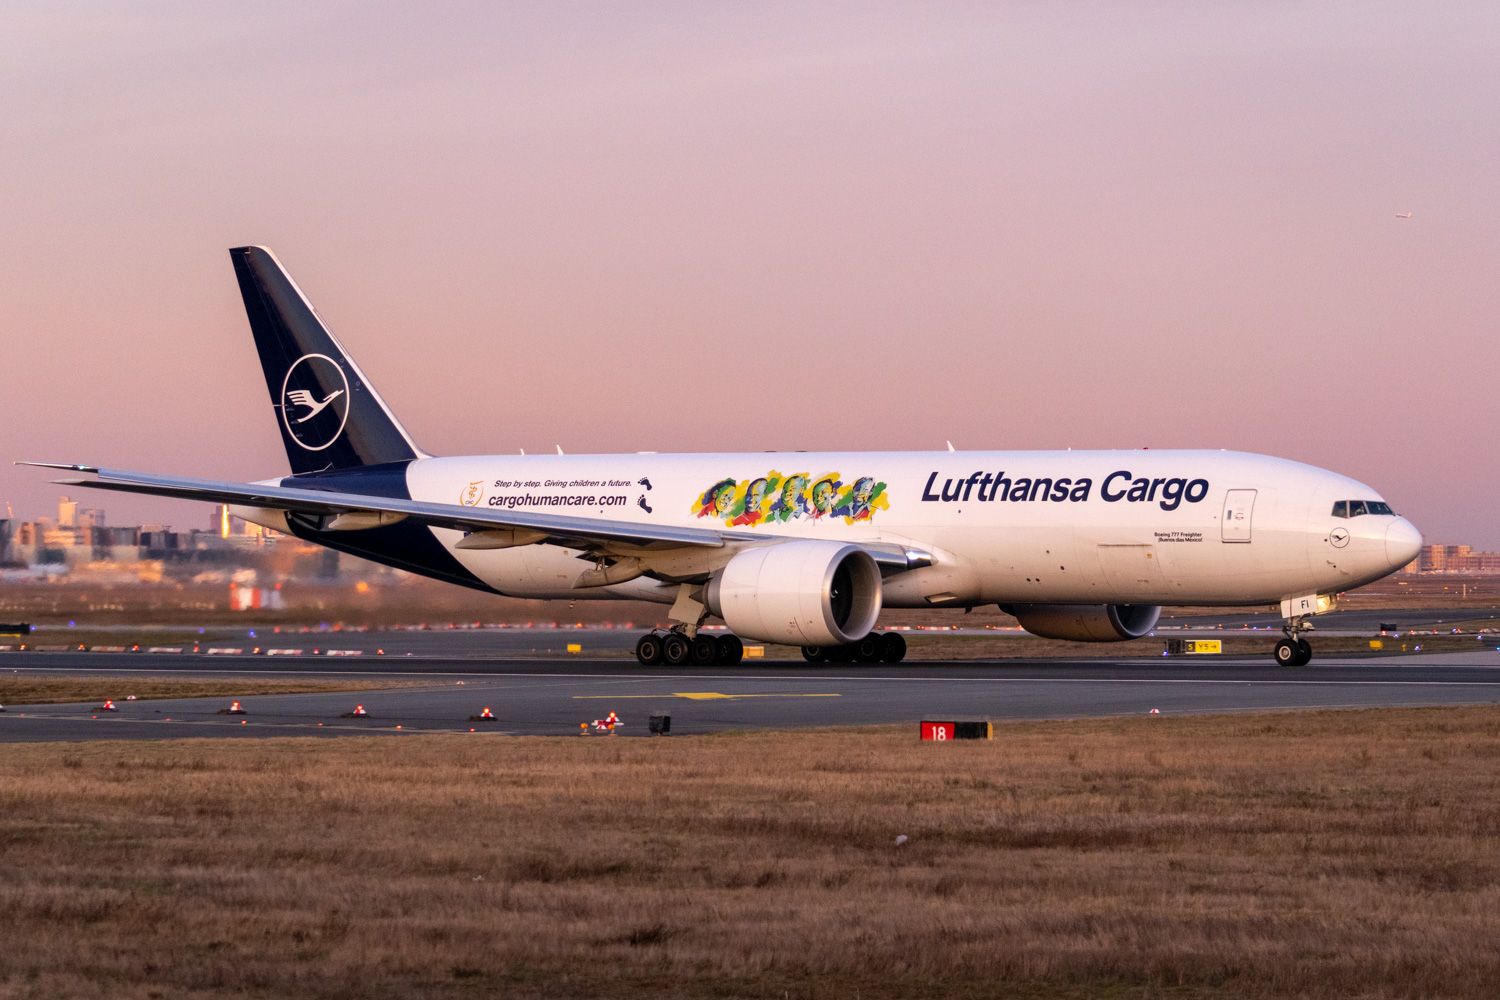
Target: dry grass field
<point>31,689</point>
<point>1349,854</point>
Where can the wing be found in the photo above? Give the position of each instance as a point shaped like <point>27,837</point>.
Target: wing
<point>557,529</point>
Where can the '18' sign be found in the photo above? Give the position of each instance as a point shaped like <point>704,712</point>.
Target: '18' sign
<point>940,732</point>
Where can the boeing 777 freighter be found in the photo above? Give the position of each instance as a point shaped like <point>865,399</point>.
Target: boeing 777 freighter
<point>795,547</point>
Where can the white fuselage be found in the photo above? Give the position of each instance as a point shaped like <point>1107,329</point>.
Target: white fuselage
<point>1074,527</point>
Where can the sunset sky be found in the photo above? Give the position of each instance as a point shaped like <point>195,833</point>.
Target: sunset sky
<point>685,227</point>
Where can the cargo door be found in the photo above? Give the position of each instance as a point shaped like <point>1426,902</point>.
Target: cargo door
<point>1239,511</point>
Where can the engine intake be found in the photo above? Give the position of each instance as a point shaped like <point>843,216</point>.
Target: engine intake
<point>1086,622</point>
<point>804,593</point>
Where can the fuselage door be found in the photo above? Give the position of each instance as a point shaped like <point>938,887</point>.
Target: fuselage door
<point>1239,509</point>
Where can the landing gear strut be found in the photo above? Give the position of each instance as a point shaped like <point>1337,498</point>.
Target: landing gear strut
<point>877,647</point>
<point>1294,651</point>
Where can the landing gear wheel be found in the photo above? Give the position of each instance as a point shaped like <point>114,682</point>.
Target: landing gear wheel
<point>1288,653</point>
<point>868,649</point>
<point>674,649</point>
<point>815,654</point>
<point>731,650</point>
<point>703,650</point>
<point>1304,653</point>
<point>892,647</point>
<point>840,654</point>
<point>648,649</point>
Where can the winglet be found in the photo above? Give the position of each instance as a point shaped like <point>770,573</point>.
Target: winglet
<point>64,466</point>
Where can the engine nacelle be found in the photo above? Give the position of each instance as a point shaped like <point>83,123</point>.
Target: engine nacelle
<point>1086,622</point>
<point>804,593</point>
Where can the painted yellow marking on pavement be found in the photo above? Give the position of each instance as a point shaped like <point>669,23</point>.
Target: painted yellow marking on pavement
<point>698,696</point>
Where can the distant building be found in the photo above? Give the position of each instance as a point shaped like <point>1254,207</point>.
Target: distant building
<point>1456,559</point>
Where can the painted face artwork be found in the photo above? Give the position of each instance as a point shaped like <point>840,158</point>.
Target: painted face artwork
<point>822,497</point>
<point>791,503</point>
<point>777,498</point>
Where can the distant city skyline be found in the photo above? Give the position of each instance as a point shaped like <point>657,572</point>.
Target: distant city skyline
<point>683,227</point>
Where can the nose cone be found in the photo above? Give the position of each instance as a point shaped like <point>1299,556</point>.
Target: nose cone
<point>1402,542</point>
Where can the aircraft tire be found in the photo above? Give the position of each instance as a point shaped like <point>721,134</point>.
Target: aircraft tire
<point>868,649</point>
<point>1304,653</point>
<point>731,650</point>
<point>703,650</point>
<point>840,654</point>
<point>1287,653</point>
<point>675,650</point>
<point>648,649</point>
<point>815,654</point>
<point>892,647</point>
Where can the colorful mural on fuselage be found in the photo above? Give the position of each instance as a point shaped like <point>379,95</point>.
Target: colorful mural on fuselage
<point>776,498</point>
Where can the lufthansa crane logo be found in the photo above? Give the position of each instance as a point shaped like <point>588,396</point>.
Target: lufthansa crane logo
<point>315,401</point>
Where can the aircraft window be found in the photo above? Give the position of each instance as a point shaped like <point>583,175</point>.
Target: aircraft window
<point>1379,507</point>
<point>1356,508</point>
<point>1341,508</point>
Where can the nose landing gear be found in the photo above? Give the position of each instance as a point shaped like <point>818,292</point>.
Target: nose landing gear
<point>1294,651</point>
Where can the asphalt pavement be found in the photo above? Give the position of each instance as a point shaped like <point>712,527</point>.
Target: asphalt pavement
<point>554,695</point>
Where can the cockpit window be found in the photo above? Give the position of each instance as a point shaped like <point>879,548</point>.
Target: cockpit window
<point>1354,508</point>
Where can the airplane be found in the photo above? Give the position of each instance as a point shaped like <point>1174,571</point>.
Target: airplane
<point>794,547</point>
<point>1403,215</point>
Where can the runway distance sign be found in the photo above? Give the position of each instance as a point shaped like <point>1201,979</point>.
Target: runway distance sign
<point>942,732</point>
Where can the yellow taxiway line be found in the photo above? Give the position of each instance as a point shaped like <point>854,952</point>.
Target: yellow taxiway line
<point>698,696</point>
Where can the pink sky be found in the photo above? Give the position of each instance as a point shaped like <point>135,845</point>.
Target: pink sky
<point>724,227</point>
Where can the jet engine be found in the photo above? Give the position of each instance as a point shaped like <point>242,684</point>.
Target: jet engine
<point>803,593</point>
<point>1086,622</point>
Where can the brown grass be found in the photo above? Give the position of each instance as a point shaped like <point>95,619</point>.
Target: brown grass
<point>1316,854</point>
<point>25,689</point>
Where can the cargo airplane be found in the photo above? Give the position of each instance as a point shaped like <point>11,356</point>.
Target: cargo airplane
<point>794,547</point>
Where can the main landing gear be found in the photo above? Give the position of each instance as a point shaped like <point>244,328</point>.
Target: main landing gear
<point>1294,651</point>
<point>877,647</point>
<point>675,649</point>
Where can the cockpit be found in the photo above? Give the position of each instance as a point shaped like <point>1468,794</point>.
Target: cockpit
<point>1355,508</point>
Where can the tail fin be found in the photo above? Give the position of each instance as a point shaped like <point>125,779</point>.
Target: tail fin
<point>330,415</point>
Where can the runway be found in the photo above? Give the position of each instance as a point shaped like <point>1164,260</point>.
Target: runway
<point>530,696</point>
